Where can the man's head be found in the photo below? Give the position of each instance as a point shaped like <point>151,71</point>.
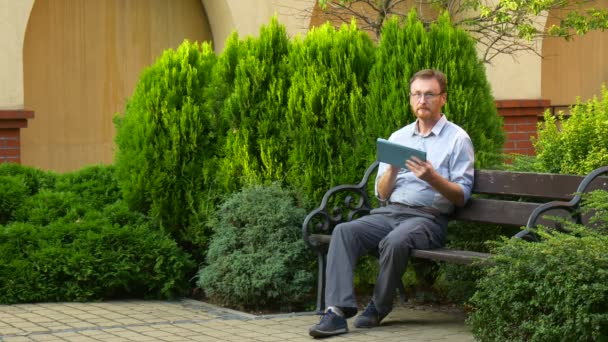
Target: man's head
<point>428,93</point>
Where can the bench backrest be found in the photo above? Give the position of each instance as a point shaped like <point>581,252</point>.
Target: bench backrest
<point>522,193</point>
<point>518,199</point>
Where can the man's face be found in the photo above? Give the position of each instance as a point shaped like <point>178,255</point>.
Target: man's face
<point>426,99</point>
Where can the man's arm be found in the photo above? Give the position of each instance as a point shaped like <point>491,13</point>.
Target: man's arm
<point>386,184</point>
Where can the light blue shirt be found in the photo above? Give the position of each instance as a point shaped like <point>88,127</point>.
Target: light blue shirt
<point>449,149</point>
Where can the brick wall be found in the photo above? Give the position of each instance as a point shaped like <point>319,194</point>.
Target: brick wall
<point>11,123</point>
<point>520,123</point>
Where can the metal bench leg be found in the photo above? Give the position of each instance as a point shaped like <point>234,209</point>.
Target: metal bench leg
<point>401,290</point>
<point>321,283</point>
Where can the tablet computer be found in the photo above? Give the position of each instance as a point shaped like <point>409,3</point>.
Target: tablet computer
<point>396,154</point>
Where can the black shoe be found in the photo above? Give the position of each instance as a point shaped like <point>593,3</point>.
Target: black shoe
<point>331,324</point>
<point>370,317</point>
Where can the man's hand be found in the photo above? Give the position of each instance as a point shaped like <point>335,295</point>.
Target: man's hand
<point>422,169</point>
<point>425,171</point>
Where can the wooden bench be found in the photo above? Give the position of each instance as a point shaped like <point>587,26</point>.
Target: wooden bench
<point>499,197</point>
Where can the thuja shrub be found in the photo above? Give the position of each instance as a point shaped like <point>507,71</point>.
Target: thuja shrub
<point>553,290</point>
<point>408,47</point>
<point>50,206</point>
<point>96,186</point>
<point>166,143</point>
<point>33,178</point>
<point>256,257</point>
<point>13,191</point>
<point>325,116</point>
<point>90,259</point>
<point>256,143</point>
<point>578,144</point>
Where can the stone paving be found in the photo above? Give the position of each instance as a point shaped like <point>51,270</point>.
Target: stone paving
<point>190,320</point>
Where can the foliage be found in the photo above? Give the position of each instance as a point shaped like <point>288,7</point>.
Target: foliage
<point>553,290</point>
<point>34,179</point>
<point>256,257</point>
<point>96,186</point>
<point>256,145</point>
<point>325,116</point>
<point>166,143</point>
<point>441,46</point>
<point>91,259</point>
<point>500,27</point>
<point>49,206</point>
<point>577,145</point>
<point>13,191</point>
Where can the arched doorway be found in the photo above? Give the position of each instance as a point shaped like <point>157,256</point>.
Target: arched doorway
<point>82,60</point>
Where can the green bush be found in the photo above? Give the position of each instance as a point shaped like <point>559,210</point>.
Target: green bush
<point>256,257</point>
<point>167,143</point>
<point>88,260</point>
<point>578,144</point>
<point>34,179</point>
<point>13,191</point>
<point>256,149</point>
<point>48,206</point>
<point>554,290</point>
<point>96,186</point>
<point>325,116</point>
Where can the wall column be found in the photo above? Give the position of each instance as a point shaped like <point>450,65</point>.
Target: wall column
<point>11,123</point>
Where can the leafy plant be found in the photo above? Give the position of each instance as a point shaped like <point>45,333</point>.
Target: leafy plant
<point>33,178</point>
<point>577,145</point>
<point>88,260</point>
<point>96,186</point>
<point>13,191</point>
<point>553,290</point>
<point>167,143</point>
<point>256,257</point>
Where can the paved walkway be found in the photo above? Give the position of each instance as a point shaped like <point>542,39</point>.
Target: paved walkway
<point>190,320</point>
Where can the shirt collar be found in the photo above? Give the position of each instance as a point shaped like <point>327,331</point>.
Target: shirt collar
<point>436,129</point>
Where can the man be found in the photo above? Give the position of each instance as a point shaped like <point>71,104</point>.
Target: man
<point>419,197</point>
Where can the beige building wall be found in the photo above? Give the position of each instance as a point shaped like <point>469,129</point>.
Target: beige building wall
<point>246,17</point>
<point>50,141</point>
<point>14,15</point>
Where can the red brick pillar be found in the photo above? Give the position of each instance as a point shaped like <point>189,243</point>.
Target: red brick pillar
<point>520,123</point>
<point>11,123</point>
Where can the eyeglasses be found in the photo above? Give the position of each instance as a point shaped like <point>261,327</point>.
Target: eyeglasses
<point>427,96</point>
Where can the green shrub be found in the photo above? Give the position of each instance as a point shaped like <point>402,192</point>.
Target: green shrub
<point>325,116</point>
<point>96,186</point>
<point>34,179</point>
<point>88,260</point>
<point>256,149</point>
<point>577,145</point>
<point>13,191</point>
<point>554,290</point>
<point>167,143</point>
<point>48,206</point>
<point>256,257</point>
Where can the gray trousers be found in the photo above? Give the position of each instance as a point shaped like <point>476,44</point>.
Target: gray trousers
<point>394,231</point>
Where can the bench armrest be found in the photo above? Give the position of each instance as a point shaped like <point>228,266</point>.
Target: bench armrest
<point>572,206</point>
<point>341,203</point>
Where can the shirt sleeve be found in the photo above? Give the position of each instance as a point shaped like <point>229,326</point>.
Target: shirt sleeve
<point>462,165</point>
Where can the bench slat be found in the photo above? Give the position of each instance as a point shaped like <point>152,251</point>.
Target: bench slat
<point>441,254</point>
<point>450,255</point>
<point>496,212</point>
<point>541,185</point>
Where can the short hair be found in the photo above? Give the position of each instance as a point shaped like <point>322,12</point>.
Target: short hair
<point>432,73</point>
